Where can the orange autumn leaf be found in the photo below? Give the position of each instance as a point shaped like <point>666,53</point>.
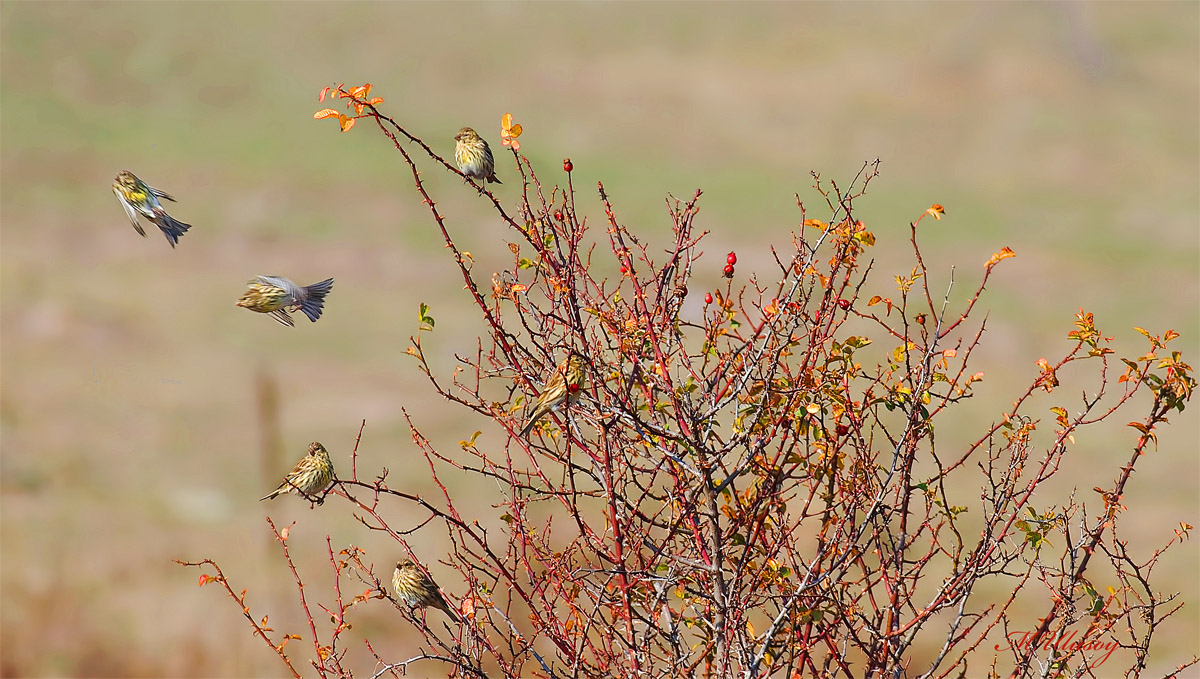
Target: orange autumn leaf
<point>325,113</point>
<point>509,132</point>
<point>936,211</point>
<point>347,123</point>
<point>815,223</point>
<point>324,92</point>
<point>1005,253</point>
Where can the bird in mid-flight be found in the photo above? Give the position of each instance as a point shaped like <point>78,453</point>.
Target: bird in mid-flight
<point>277,295</point>
<point>139,198</point>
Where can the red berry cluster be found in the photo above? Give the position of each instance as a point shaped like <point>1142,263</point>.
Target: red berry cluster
<point>730,260</point>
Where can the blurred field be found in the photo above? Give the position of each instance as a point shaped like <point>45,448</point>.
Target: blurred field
<point>130,430</point>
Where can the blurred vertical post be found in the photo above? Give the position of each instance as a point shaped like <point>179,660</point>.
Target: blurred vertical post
<point>270,434</point>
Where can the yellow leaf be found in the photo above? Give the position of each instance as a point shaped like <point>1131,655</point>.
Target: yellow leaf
<point>347,123</point>
<point>515,131</point>
<point>812,408</point>
<point>325,113</point>
<point>815,223</point>
<point>936,211</point>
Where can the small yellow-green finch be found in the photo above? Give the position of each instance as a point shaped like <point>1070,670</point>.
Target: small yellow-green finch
<point>277,295</point>
<point>564,387</point>
<point>311,476</point>
<point>138,198</point>
<point>474,157</point>
<point>416,590</point>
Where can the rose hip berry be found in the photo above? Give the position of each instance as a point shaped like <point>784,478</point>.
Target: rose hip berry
<point>567,166</point>
<point>731,258</point>
<point>844,303</point>
<point>708,298</point>
<point>729,271</point>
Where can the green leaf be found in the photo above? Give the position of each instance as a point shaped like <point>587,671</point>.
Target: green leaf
<point>426,321</point>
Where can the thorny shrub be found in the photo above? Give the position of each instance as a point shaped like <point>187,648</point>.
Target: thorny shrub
<point>752,486</point>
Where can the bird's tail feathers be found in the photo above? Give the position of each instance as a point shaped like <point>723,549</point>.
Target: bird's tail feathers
<point>527,428</point>
<point>313,301</point>
<point>534,417</point>
<point>449,610</point>
<point>172,228</point>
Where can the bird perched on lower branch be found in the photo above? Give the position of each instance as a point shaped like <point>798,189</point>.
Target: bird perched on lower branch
<point>474,156</point>
<point>277,295</point>
<point>416,590</point>
<point>139,198</point>
<point>564,387</point>
<point>311,476</point>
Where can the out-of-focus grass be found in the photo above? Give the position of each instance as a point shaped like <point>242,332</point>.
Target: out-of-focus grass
<point>130,435</point>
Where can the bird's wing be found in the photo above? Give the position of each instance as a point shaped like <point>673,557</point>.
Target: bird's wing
<point>294,292</point>
<point>129,210</point>
<point>283,317</point>
<point>161,194</point>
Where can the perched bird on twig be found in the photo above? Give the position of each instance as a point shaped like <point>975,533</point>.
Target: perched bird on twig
<point>311,476</point>
<point>139,198</point>
<point>277,295</point>
<point>415,589</point>
<point>474,156</point>
<point>564,387</point>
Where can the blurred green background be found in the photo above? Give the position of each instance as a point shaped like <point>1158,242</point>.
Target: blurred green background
<point>131,425</point>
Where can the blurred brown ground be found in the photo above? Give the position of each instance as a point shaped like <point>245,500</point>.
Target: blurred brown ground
<point>130,428</point>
